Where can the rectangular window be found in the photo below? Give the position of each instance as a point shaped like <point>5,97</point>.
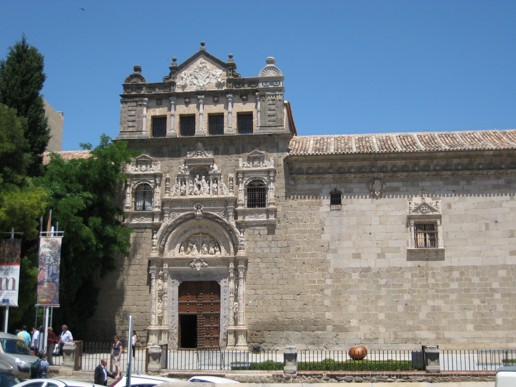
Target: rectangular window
<point>425,235</point>
<point>187,125</point>
<point>245,123</point>
<point>159,126</point>
<point>335,200</point>
<point>216,124</point>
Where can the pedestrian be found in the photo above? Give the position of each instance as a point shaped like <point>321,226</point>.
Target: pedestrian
<point>65,337</point>
<point>39,369</point>
<point>34,343</point>
<point>52,341</point>
<point>24,335</point>
<point>116,352</point>
<point>101,373</point>
<point>134,340</point>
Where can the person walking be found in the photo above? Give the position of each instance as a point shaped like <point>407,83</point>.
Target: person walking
<point>24,335</point>
<point>65,337</point>
<point>52,340</point>
<point>134,340</point>
<point>101,373</point>
<point>116,352</point>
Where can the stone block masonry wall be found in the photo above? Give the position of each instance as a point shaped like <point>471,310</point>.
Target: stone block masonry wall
<point>125,292</point>
<point>327,279</point>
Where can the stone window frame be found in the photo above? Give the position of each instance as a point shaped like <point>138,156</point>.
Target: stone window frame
<point>256,193</point>
<point>158,131</point>
<point>183,129</point>
<point>143,188</point>
<point>245,130</point>
<point>213,115</point>
<point>424,210</point>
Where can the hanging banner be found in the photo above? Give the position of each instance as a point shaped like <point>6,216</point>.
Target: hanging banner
<point>48,272</point>
<point>10,252</point>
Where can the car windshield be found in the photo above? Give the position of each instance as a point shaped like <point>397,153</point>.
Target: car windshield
<point>14,346</point>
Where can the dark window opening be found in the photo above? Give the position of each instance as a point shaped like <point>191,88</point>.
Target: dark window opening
<point>143,198</point>
<point>159,126</point>
<point>256,194</point>
<point>216,124</point>
<point>335,200</point>
<point>425,235</point>
<point>245,123</point>
<point>187,125</point>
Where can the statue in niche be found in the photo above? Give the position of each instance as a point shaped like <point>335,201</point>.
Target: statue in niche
<point>215,188</point>
<point>197,185</point>
<point>205,188</point>
<point>182,189</point>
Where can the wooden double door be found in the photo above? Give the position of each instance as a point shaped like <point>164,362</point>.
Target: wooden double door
<point>199,314</point>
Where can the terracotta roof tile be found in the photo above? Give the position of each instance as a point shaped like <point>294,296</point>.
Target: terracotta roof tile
<point>403,142</point>
<point>67,155</point>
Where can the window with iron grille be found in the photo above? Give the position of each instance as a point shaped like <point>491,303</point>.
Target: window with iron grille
<point>245,123</point>
<point>143,198</point>
<point>425,235</point>
<point>256,194</point>
<point>187,125</point>
<point>216,124</point>
<point>159,126</point>
<point>335,200</point>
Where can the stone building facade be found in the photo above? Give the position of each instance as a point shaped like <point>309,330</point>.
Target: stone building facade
<point>246,233</point>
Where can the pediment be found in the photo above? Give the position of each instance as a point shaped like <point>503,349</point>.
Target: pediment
<point>202,72</point>
<point>143,164</point>
<point>424,205</point>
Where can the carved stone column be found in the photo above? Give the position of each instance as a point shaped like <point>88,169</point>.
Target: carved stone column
<point>144,116</point>
<point>241,328</point>
<point>229,98</point>
<point>258,111</point>
<point>201,131</point>
<point>173,311</point>
<point>172,101</point>
<point>153,331</point>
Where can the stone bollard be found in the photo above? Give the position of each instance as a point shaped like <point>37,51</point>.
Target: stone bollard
<point>69,357</point>
<point>431,358</point>
<point>154,359</point>
<point>290,360</point>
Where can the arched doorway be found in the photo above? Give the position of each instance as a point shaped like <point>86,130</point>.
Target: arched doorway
<point>199,314</point>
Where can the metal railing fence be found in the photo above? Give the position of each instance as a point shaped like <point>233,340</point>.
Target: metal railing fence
<point>471,360</point>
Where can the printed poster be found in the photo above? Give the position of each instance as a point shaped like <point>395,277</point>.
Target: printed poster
<point>10,252</point>
<point>48,272</point>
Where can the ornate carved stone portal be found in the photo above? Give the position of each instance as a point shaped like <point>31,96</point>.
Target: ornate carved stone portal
<point>198,245</point>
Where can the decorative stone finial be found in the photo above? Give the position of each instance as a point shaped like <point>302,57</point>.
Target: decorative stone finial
<point>137,69</point>
<point>203,46</point>
<point>270,60</point>
<point>174,62</point>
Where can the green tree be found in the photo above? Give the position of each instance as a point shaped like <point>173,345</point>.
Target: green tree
<point>13,148</point>
<point>85,199</point>
<point>21,205</point>
<point>21,81</point>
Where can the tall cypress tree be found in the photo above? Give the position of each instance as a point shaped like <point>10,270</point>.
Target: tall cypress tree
<point>21,81</point>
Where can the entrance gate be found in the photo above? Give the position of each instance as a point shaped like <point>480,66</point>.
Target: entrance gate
<point>199,314</point>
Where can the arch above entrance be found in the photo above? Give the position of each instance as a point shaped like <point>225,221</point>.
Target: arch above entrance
<point>188,230</point>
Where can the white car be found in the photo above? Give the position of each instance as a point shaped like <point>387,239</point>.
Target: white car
<point>145,381</point>
<point>56,382</point>
<point>211,379</point>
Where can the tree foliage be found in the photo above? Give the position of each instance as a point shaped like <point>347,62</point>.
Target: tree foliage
<point>85,199</point>
<point>21,81</point>
<point>13,148</point>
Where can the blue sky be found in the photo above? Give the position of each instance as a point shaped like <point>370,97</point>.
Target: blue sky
<point>350,66</point>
